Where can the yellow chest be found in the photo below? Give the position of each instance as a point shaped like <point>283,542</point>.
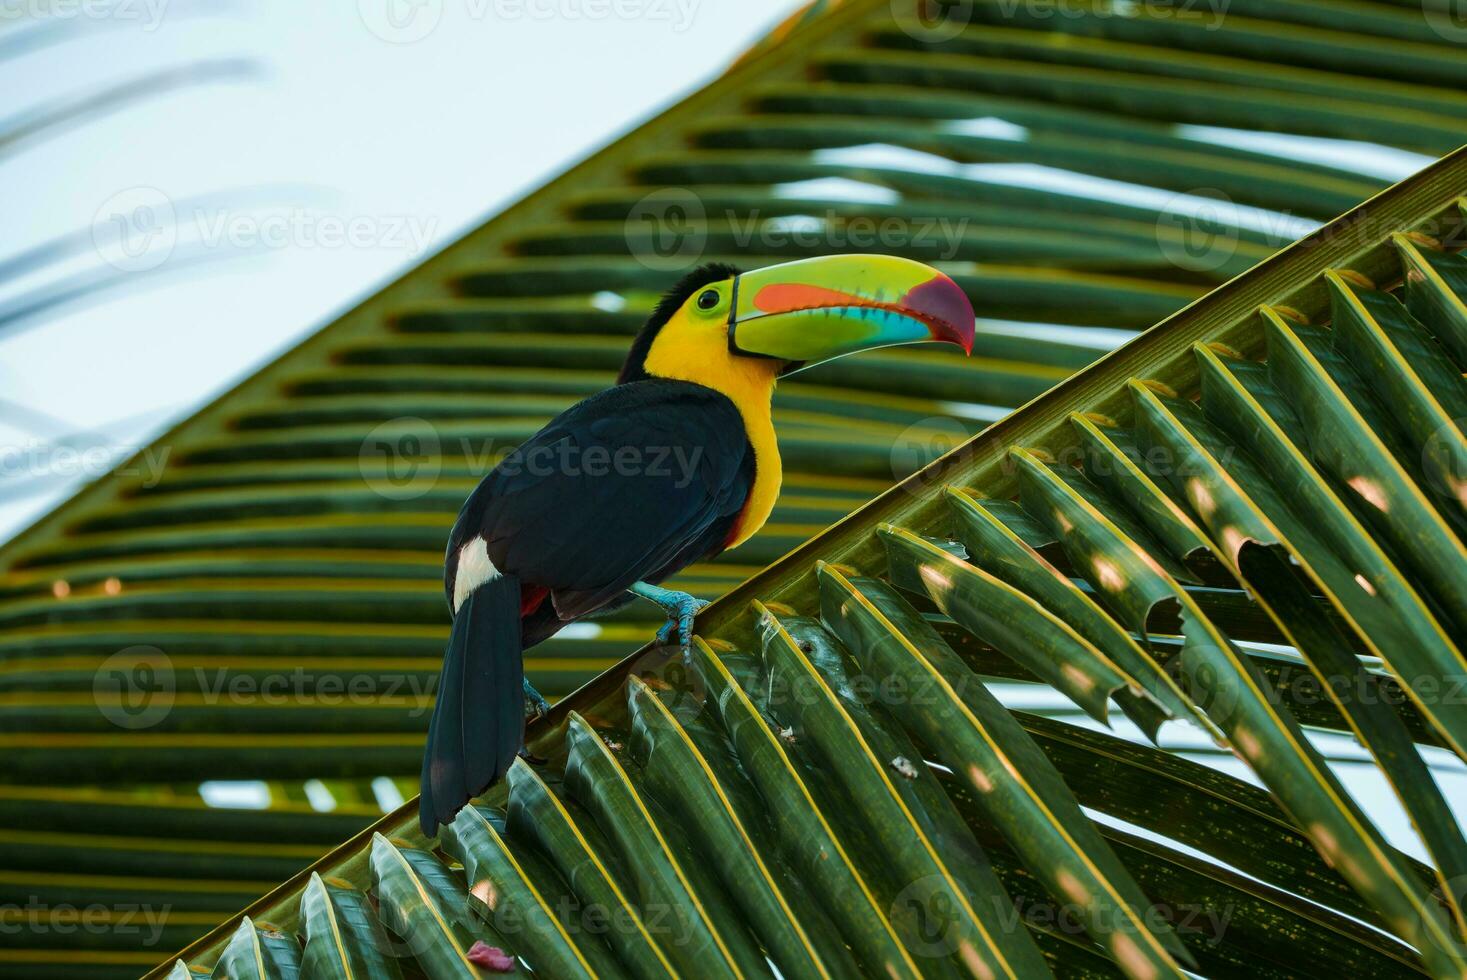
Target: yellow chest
<point>685,351</point>
<point>768,473</point>
<point>688,352</point>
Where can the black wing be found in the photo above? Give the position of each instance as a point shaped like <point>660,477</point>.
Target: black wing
<point>631,483</point>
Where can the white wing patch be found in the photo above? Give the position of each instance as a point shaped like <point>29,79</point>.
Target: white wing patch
<point>474,569</point>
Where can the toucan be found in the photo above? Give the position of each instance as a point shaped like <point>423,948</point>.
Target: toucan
<point>673,464</point>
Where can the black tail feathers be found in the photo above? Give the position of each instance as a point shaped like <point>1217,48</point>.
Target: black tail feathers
<point>478,722</point>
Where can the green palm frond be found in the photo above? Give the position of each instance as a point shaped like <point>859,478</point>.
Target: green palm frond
<point>1267,478</point>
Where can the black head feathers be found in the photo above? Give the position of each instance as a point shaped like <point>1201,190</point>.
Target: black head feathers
<point>671,302</point>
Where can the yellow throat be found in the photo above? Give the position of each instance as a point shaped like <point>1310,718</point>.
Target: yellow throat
<point>688,350</point>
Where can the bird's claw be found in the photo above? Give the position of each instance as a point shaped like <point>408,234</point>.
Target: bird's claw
<point>535,704</point>
<point>680,622</point>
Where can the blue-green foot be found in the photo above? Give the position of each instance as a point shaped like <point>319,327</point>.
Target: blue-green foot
<point>535,705</point>
<point>680,608</point>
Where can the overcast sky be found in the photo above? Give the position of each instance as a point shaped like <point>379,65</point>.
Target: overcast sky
<point>330,145</point>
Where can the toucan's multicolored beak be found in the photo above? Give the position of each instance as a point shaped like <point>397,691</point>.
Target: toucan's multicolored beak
<point>816,309</point>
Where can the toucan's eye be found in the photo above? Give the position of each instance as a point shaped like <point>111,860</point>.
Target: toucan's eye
<point>708,299</point>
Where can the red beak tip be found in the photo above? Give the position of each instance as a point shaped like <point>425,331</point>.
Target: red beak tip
<point>946,308</point>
